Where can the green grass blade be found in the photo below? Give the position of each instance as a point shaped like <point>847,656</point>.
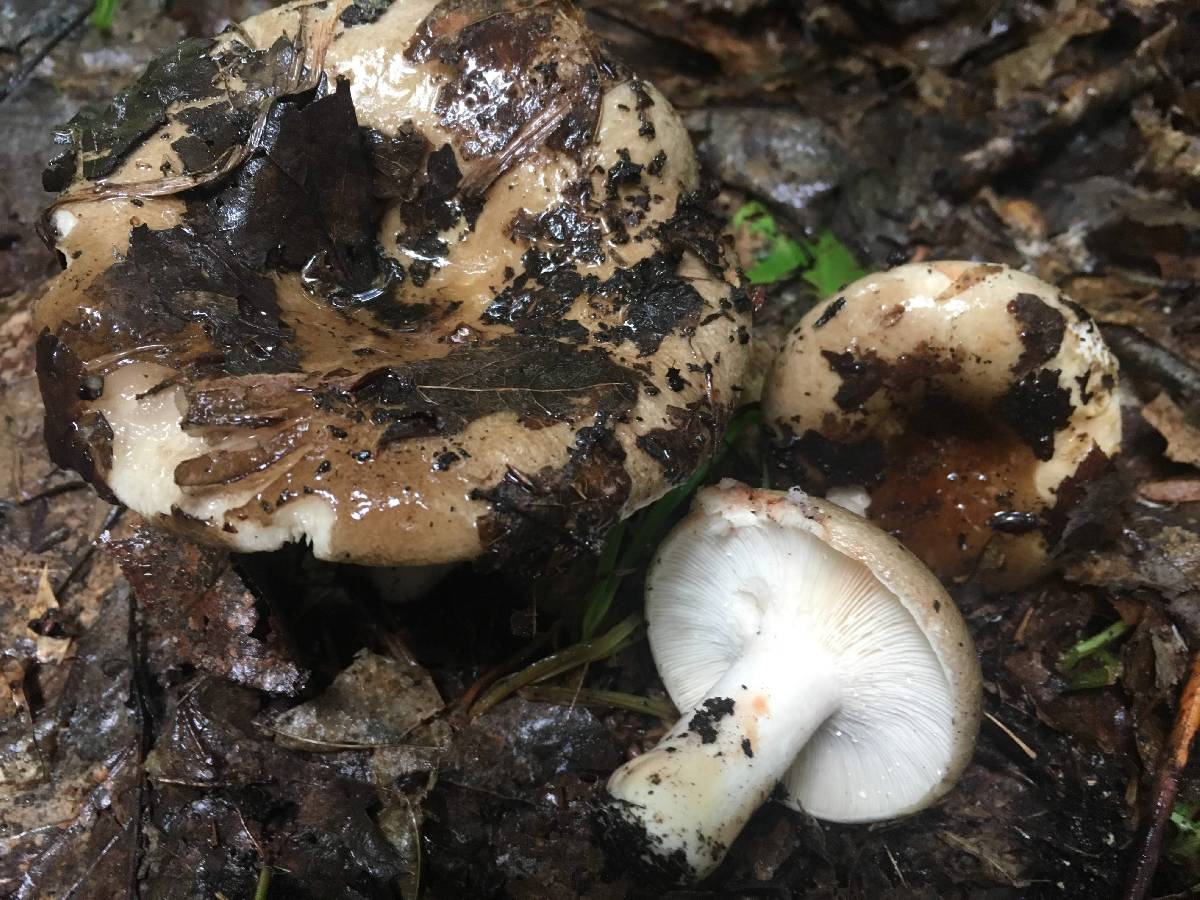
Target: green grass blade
<point>600,597</point>
<point>650,706</point>
<point>1088,646</point>
<point>102,15</point>
<point>564,660</point>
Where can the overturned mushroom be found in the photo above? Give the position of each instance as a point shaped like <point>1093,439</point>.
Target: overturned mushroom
<point>807,649</point>
<point>409,281</point>
<point>961,405</point>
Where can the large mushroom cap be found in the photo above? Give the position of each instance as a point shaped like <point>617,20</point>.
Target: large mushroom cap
<point>806,648</point>
<point>409,281</point>
<point>965,402</point>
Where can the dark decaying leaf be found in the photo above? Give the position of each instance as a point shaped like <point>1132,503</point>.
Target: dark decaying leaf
<point>1098,716</point>
<point>522,75</point>
<point>198,611</point>
<point>540,381</point>
<point>1165,560</point>
<point>523,761</point>
<point>73,830</point>
<point>212,776</point>
<point>521,744</point>
<point>1181,435</point>
<point>1154,665</point>
<point>375,702</point>
<point>578,502</point>
<point>309,193</point>
<point>363,11</point>
<point>101,140</point>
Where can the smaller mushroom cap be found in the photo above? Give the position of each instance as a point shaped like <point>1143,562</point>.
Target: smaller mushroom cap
<point>967,403</point>
<point>865,628</point>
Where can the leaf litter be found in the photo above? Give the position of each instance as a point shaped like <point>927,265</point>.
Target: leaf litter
<point>141,749</point>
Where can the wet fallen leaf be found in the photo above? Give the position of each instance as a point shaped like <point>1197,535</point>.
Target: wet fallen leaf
<point>1155,661</point>
<point>199,611</point>
<point>20,757</point>
<point>793,161</point>
<point>45,623</point>
<point>1183,438</point>
<point>228,802</point>
<point>71,832</point>
<point>1002,869</point>
<point>520,744</point>
<point>1101,203</point>
<point>375,702</point>
<point>405,776</point>
<point>1171,490</point>
<point>1172,151</point>
<point>1033,64</point>
<point>1019,214</point>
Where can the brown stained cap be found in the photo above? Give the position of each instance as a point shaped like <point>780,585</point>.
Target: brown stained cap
<point>410,282</point>
<point>961,404</point>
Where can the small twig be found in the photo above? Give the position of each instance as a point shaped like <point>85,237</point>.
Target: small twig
<point>1166,783</point>
<point>54,491</point>
<point>19,78</point>
<point>1145,357</point>
<point>114,516</point>
<point>1025,748</point>
<point>895,866</point>
<point>1019,634</point>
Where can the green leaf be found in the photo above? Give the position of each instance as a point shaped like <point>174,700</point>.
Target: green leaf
<point>1101,669</point>
<point>784,258</point>
<point>601,595</point>
<point>1185,848</point>
<point>834,266</point>
<point>753,210</point>
<point>826,263</point>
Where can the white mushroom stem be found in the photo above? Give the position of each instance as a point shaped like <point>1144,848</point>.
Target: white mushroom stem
<point>698,787</point>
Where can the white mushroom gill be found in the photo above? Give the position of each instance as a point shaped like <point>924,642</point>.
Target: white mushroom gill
<point>795,666</point>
